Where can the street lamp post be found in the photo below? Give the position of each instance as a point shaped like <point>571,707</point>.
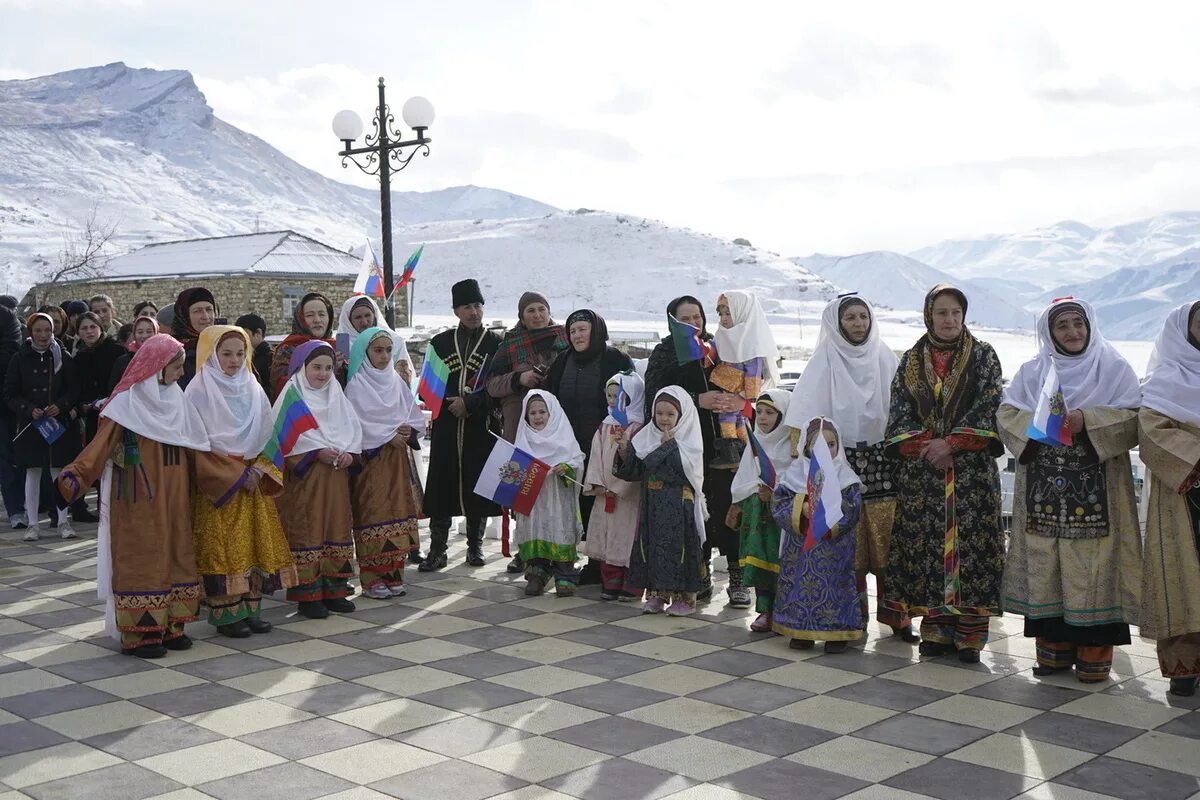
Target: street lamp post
<point>385,153</point>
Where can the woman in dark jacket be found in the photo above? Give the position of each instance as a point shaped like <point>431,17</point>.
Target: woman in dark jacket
<point>577,378</point>
<point>95,355</point>
<point>195,310</point>
<point>41,383</point>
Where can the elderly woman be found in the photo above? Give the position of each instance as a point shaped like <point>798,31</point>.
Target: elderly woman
<point>195,310</point>
<point>947,550</point>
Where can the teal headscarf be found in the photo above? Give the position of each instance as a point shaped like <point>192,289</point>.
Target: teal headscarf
<point>358,351</point>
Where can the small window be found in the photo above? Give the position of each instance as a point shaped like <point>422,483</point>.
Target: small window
<point>291,299</point>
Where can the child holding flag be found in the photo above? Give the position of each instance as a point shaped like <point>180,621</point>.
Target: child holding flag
<point>548,536</point>
<point>768,456</point>
<point>748,354</point>
<point>668,458</point>
<point>817,505</point>
<point>613,521</point>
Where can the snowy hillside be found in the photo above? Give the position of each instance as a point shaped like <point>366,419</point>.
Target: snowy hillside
<point>899,282</point>
<point>1066,252</point>
<point>625,267</point>
<point>145,146</point>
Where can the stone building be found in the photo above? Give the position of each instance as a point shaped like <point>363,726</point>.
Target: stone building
<point>263,273</point>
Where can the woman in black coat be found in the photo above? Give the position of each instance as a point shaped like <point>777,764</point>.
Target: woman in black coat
<point>41,383</point>
<point>95,355</point>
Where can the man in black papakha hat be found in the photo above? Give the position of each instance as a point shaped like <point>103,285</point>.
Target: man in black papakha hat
<point>462,434</point>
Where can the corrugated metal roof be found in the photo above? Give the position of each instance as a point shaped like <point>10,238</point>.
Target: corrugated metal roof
<point>273,253</point>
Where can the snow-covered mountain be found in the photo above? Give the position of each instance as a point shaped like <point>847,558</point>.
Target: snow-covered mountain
<point>144,146</point>
<point>627,268</point>
<point>896,281</point>
<point>1066,252</point>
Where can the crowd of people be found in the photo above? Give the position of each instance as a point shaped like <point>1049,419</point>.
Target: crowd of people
<point>652,467</point>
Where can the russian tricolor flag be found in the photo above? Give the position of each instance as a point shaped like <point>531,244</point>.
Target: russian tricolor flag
<point>370,275</point>
<point>512,478</point>
<point>766,470</point>
<point>823,502</point>
<point>1049,423</point>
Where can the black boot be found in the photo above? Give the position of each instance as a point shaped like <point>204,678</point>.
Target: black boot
<point>439,532</point>
<point>727,453</point>
<point>475,529</point>
<point>80,512</point>
<point>516,566</point>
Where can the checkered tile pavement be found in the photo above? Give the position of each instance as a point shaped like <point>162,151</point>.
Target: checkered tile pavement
<point>467,689</point>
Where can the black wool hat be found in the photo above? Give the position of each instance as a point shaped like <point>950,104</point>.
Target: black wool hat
<point>465,292</point>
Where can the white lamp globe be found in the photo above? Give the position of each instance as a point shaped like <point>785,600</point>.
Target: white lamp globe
<point>418,113</point>
<point>347,125</point>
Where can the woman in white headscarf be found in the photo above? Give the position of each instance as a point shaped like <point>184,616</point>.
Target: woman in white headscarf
<point>385,494</point>
<point>750,514</point>
<point>315,505</point>
<point>241,551</point>
<point>612,524</point>
<point>360,313</point>
<point>549,537</point>
<point>748,354</point>
<point>1074,554</point>
<point>152,449</point>
<point>667,456</point>
<point>848,380</point>
<point>1169,423</point>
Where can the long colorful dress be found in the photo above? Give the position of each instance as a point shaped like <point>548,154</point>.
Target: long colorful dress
<point>947,551</point>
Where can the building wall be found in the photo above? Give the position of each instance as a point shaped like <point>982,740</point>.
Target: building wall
<point>236,295</point>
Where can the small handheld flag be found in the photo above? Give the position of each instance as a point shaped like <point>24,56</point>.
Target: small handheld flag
<point>686,339</point>
<point>512,478</point>
<point>370,274</point>
<point>410,267</point>
<point>1049,423</point>
<point>477,382</point>
<point>432,388</point>
<point>294,418</point>
<point>50,429</point>
<point>620,408</point>
<point>823,500</point>
<point>766,470</point>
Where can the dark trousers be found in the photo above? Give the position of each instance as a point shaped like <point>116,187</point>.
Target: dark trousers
<point>719,536</point>
<point>12,480</point>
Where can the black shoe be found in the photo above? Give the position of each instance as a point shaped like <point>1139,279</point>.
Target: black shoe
<point>727,453</point>
<point>801,644</point>
<point>535,584</point>
<point>313,609</point>
<point>516,566</point>
<point>258,625</point>
<point>835,647</point>
<point>414,557</point>
<point>1042,671</point>
<point>83,515</point>
<point>339,605</point>
<point>906,634</point>
<point>935,649</point>
<point>433,562</point>
<point>608,596</point>
<point>147,651</point>
<point>1183,687</point>
<point>237,630</point>
<point>475,556</point>
<point>968,655</point>
<point>183,642</point>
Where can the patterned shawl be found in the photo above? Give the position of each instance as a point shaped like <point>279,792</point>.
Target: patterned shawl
<point>941,401</point>
<point>524,346</point>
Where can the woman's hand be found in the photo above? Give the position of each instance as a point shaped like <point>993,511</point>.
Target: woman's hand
<point>1075,421</point>
<point>939,454</point>
<point>36,413</point>
<point>339,360</point>
<point>52,410</point>
<point>343,461</point>
<point>530,379</point>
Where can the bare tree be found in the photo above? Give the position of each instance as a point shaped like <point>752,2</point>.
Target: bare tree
<point>85,250</point>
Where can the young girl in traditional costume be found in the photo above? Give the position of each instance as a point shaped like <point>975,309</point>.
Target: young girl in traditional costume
<point>385,493</point>
<point>549,536</point>
<point>817,599</point>
<point>315,505</point>
<point>241,551</point>
<point>750,515</point>
<point>748,353</point>
<point>153,450</point>
<point>668,458</point>
<point>612,525</point>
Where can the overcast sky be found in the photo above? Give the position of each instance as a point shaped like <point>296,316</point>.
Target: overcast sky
<point>830,127</point>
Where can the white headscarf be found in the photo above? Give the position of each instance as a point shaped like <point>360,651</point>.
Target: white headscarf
<point>796,476</point>
<point>399,345</point>
<point>338,425</point>
<point>777,444</point>
<point>1172,383</point>
<point>635,389</point>
<point>691,446</point>
<point>1099,376</point>
<point>750,337</point>
<point>235,410</point>
<point>380,399</point>
<point>847,383</point>
<point>555,444</point>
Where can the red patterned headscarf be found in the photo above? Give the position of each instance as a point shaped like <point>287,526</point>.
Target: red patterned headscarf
<point>151,358</point>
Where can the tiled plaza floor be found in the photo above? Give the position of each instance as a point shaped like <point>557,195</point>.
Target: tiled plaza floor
<point>465,690</point>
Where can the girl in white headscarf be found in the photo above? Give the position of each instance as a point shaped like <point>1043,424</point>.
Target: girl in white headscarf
<point>612,525</point>
<point>848,380</point>
<point>748,354</point>
<point>549,536</point>
<point>1074,556</point>
<point>667,456</point>
<point>241,550</point>
<point>385,494</point>
<point>750,513</point>
<point>1169,424</point>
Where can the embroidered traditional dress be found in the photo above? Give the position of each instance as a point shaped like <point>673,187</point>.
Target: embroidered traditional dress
<point>947,550</point>
<point>146,569</point>
<point>385,492</point>
<point>241,550</point>
<point>1074,556</point>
